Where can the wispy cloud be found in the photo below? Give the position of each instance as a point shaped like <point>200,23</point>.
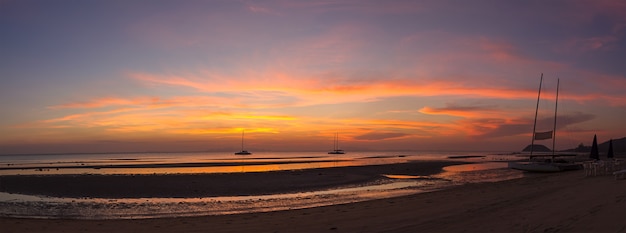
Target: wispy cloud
<point>355,90</point>
<point>110,101</point>
<point>355,6</point>
<point>461,111</point>
<point>260,9</point>
<point>379,136</point>
<point>498,127</point>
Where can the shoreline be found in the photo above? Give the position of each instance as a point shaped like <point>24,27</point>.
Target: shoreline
<point>557,202</point>
<point>161,165</point>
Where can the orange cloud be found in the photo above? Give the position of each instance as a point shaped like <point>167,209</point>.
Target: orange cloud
<point>109,101</point>
<point>460,111</point>
<point>354,128</point>
<point>166,120</point>
<point>308,90</point>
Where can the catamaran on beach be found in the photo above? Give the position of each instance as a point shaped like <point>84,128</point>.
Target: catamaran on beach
<point>551,164</point>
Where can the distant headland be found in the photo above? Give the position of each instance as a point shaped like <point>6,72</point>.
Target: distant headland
<point>619,147</point>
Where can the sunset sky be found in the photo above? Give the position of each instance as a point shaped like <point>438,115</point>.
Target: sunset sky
<point>113,76</point>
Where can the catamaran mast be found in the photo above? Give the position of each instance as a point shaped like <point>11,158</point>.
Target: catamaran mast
<point>532,142</point>
<point>242,139</point>
<point>554,130</point>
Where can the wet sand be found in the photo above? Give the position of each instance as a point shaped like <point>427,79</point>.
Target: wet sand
<point>558,202</point>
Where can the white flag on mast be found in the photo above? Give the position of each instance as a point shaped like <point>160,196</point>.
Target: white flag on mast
<point>543,135</point>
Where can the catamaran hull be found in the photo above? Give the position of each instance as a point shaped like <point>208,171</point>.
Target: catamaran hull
<point>534,167</point>
<point>544,167</point>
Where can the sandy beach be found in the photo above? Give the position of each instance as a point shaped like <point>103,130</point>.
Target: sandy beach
<point>558,202</point>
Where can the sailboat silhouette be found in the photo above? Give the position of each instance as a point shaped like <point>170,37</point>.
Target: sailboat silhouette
<point>242,152</point>
<point>336,149</point>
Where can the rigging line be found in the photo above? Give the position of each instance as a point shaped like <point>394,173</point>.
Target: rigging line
<point>556,105</point>
<point>532,142</point>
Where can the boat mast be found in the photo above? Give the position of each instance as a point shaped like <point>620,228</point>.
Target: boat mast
<point>556,104</point>
<point>242,139</point>
<point>532,142</point>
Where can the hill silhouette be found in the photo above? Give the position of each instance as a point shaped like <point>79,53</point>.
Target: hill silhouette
<point>537,148</point>
<point>619,147</point>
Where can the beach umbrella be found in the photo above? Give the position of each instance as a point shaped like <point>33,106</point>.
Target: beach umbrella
<point>610,153</point>
<point>594,149</point>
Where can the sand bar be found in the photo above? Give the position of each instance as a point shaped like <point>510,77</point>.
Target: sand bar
<point>210,185</point>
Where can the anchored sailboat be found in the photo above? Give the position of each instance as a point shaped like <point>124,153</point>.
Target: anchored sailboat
<point>242,152</point>
<point>336,149</point>
<point>548,165</point>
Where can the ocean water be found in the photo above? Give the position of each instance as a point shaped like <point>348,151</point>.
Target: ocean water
<point>485,167</point>
<point>207,162</point>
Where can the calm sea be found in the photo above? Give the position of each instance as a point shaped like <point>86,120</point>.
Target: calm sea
<point>208,162</point>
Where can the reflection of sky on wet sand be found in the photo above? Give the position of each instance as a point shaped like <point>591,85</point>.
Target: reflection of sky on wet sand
<point>475,167</point>
<point>96,208</point>
<point>405,177</point>
<point>468,173</point>
<point>479,172</point>
<point>232,167</point>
